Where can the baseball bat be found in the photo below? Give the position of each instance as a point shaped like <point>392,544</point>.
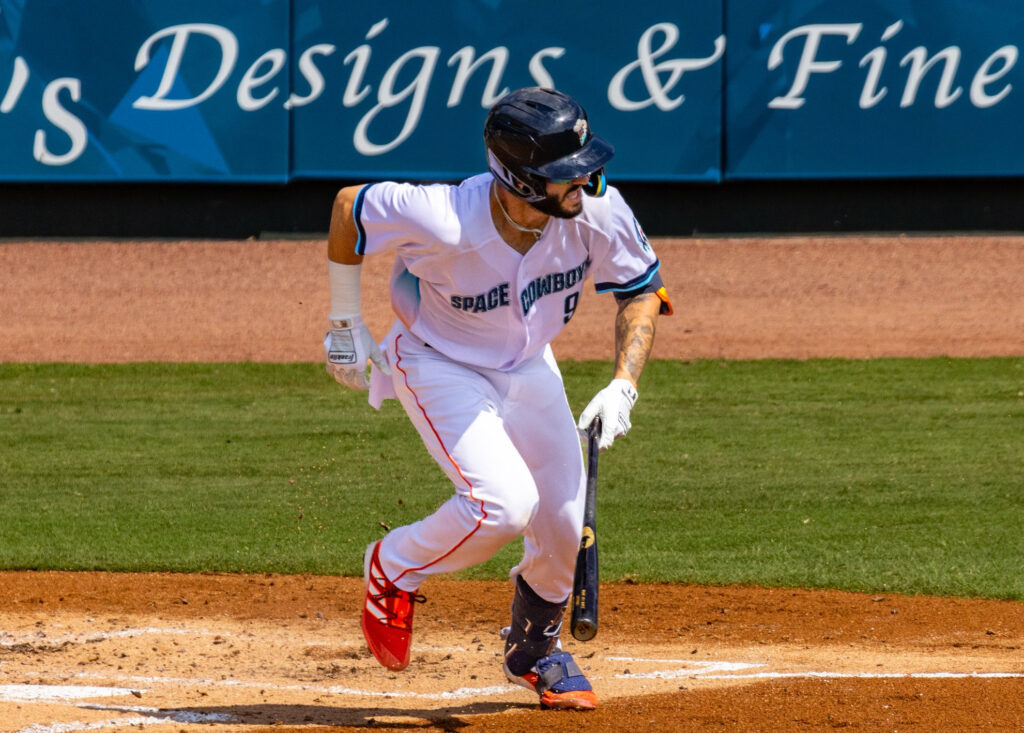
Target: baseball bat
<point>583,620</point>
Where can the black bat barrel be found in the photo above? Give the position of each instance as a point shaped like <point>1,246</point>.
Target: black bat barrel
<point>583,621</point>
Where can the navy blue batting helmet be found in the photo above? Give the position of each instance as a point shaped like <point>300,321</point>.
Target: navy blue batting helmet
<point>535,135</point>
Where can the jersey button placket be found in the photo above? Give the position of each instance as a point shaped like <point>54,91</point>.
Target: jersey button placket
<point>522,282</point>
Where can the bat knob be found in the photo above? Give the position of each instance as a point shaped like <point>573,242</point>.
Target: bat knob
<point>584,630</point>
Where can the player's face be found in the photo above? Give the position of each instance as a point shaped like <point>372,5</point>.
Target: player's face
<point>565,198</point>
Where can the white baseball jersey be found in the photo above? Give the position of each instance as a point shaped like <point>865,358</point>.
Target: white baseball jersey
<point>472,366</point>
<point>479,301</point>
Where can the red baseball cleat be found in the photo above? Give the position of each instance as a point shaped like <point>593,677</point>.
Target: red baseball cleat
<point>387,614</point>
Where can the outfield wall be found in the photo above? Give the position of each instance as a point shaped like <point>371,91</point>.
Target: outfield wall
<point>242,116</point>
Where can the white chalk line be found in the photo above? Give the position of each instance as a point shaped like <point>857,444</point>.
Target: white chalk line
<point>66,693</point>
<point>161,718</point>
<point>717,670</point>
<point>865,675</point>
<point>56,693</point>
<point>97,725</point>
<point>696,670</point>
<point>38,641</point>
<point>177,716</point>
<point>13,694</point>
<point>693,669</point>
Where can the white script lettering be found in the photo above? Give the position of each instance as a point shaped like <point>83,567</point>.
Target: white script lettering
<point>499,60</point>
<point>312,75</point>
<point>180,33</point>
<point>64,120</point>
<point>650,72</point>
<point>917,62</point>
<point>808,64</point>
<point>984,76</point>
<point>387,97</point>
<point>871,95</point>
<point>276,57</point>
<point>19,78</point>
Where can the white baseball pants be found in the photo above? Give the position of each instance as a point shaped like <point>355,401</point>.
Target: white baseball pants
<point>508,442</point>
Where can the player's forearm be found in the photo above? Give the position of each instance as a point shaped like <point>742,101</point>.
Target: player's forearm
<point>343,264</point>
<point>342,237</point>
<point>634,335</point>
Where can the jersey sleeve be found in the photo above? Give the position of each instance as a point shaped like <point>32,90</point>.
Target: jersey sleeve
<point>626,265</point>
<point>389,215</point>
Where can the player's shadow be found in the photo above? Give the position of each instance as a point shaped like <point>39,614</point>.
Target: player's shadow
<point>449,718</point>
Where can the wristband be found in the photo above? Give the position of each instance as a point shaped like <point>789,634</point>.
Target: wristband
<point>344,286</point>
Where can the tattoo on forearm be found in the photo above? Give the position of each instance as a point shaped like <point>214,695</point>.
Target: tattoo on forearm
<point>634,334</point>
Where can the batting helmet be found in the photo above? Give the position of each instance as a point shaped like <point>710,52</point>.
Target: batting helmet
<point>535,135</point>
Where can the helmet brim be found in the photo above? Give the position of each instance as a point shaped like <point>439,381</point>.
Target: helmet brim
<point>592,156</point>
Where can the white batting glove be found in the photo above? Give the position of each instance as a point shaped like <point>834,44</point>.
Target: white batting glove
<point>612,404</point>
<point>347,346</point>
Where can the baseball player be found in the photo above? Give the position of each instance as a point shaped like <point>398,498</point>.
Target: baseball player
<point>486,274</point>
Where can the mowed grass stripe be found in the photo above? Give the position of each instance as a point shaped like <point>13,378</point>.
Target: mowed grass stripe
<point>893,475</point>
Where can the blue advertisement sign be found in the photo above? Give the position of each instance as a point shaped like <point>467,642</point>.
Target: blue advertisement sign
<point>829,88</point>
<point>114,90</point>
<point>392,88</point>
<point>277,90</point>
<point>270,90</point>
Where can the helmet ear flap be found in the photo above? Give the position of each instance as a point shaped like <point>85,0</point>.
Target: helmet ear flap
<point>521,188</point>
<point>510,180</point>
<point>597,185</point>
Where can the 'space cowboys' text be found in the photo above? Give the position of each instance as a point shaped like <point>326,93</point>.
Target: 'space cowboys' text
<point>553,282</point>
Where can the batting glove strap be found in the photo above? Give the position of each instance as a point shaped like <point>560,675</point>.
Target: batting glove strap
<point>347,347</point>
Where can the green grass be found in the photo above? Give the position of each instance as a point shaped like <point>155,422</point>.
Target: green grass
<point>883,475</point>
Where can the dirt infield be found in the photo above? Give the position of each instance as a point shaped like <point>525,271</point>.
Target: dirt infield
<point>214,653</point>
<point>735,299</point>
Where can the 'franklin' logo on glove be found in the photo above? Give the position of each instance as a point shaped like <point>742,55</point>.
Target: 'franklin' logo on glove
<point>343,348</point>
